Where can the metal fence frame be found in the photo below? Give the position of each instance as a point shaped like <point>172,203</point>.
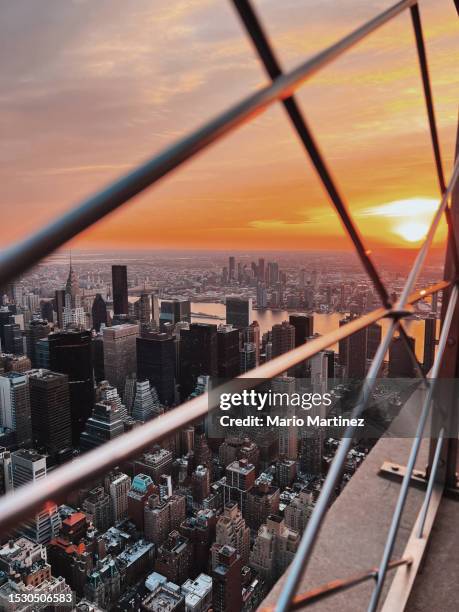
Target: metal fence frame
<point>18,258</point>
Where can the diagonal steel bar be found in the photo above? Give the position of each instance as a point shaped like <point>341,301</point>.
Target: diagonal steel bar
<point>430,485</point>
<point>424,67</point>
<point>273,68</point>
<point>422,56</point>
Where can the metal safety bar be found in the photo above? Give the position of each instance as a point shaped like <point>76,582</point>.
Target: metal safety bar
<point>16,506</point>
<point>338,586</point>
<point>430,485</point>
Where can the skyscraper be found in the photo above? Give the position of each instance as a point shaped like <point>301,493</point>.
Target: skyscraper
<point>283,338</point>
<point>232,530</point>
<point>46,310</point>
<point>261,270</point>
<point>304,327</point>
<point>35,330</point>
<point>72,287</point>
<point>142,487</point>
<point>50,410</point>
<point>104,424</point>
<point>146,404</point>
<point>70,353</point>
<point>15,406</point>
<point>143,309</point>
<point>262,500</point>
<point>97,507</point>
<point>118,486</point>
<point>288,436</point>
<point>400,362</point>
<point>227,580</point>
<point>228,351</point>
<point>120,290</point>
<point>120,353</point>
<point>262,296</point>
<point>14,343</point>
<point>30,466</point>
<point>156,362</point>
<point>199,355</point>
<point>353,352</point>
<point>175,558</point>
<point>374,339</point>
<point>319,372</point>
<point>240,478</point>
<point>155,310</point>
<point>273,273</point>
<point>99,312</point>
<point>173,311</point>
<point>273,549</point>
<point>232,268</point>
<point>59,304</point>
<point>238,311</point>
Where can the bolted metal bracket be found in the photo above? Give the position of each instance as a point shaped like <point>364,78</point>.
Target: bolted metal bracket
<point>396,472</point>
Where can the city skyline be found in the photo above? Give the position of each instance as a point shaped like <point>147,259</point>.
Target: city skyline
<point>128,68</point>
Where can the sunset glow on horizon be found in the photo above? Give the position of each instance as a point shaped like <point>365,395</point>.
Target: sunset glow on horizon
<point>91,89</point>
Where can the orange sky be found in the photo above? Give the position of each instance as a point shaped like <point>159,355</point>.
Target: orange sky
<point>91,88</point>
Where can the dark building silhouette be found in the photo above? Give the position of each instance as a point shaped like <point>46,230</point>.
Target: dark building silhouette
<point>99,312</point>
<point>373,339</point>
<point>35,330</point>
<point>156,362</point>
<point>173,311</point>
<point>430,328</point>
<point>50,410</point>
<point>199,355</point>
<point>228,352</point>
<point>97,350</point>
<point>238,311</point>
<point>120,290</point>
<point>353,352</point>
<point>13,339</point>
<point>46,310</point>
<point>59,303</point>
<point>400,362</point>
<point>330,363</point>
<point>304,327</point>
<point>70,353</point>
<point>6,318</point>
<point>283,338</point>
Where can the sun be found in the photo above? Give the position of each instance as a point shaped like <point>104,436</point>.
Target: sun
<point>412,231</point>
<point>408,219</point>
